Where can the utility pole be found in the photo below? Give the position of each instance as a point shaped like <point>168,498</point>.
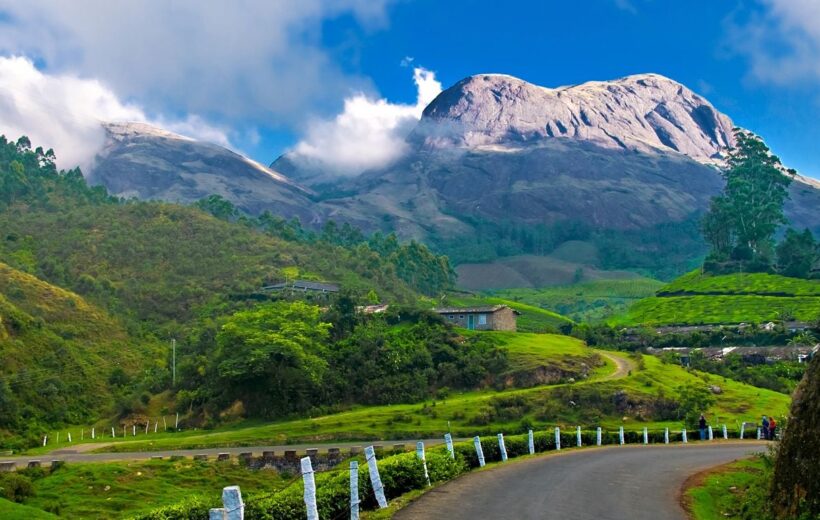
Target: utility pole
<point>174,362</point>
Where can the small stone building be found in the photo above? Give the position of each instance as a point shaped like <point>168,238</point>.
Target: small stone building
<point>494,317</point>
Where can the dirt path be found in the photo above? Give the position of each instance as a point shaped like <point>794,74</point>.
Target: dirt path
<point>622,366</point>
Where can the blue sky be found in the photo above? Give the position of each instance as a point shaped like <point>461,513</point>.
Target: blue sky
<point>264,76</point>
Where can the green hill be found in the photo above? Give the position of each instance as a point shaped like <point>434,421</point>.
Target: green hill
<point>532,318</point>
<point>697,298</point>
<point>59,354</point>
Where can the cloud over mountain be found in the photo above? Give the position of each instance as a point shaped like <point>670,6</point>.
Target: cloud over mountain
<point>64,112</point>
<point>369,133</point>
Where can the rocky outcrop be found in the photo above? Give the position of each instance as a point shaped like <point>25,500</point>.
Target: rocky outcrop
<point>146,162</point>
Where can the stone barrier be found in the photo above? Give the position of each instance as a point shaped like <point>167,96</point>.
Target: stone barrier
<point>5,467</point>
<point>200,456</point>
<point>34,464</point>
<point>223,457</point>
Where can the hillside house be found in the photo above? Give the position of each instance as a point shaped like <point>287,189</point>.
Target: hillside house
<point>494,317</point>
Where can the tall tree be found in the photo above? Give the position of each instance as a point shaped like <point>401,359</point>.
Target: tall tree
<point>742,220</point>
<point>797,253</point>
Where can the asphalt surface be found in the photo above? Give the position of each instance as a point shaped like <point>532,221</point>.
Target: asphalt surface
<point>618,483</point>
<point>74,455</point>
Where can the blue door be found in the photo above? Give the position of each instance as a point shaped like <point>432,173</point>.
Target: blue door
<point>470,321</point>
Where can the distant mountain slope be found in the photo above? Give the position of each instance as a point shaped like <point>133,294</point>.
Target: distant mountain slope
<point>146,162</point>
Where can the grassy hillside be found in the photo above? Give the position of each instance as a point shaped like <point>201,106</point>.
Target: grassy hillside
<point>585,301</point>
<point>643,395</point>
<point>532,319</point>
<point>705,299</point>
<point>58,353</point>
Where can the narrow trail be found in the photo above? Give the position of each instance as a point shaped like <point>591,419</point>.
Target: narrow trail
<point>622,366</point>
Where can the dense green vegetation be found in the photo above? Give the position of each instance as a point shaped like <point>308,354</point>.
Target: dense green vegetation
<point>698,298</point>
<point>586,301</point>
<point>286,357</point>
<point>737,491</point>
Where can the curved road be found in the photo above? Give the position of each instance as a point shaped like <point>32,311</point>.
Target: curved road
<point>617,483</point>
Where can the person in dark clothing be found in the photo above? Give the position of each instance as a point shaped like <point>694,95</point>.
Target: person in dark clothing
<point>772,428</point>
<point>702,426</point>
<point>765,429</point>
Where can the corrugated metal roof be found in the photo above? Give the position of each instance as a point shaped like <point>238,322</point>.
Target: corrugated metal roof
<point>303,285</point>
<point>470,310</point>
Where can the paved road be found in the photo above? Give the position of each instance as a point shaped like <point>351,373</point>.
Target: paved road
<point>618,483</point>
<point>73,455</point>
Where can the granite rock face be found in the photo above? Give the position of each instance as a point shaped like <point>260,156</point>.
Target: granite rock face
<point>146,162</point>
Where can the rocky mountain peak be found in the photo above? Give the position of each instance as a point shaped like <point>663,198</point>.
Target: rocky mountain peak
<point>646,112</point>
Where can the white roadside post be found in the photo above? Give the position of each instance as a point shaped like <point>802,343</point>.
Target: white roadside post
<point>598,436</point>
<point>69,437</point>
<point>742,429</point>
<point>156,425</point>
<point>683,435</point>
<point>134,430</point>
<point>375,479</point>
<point>501,448</point>
<point>58,437</point>
<point>420,454</point>
<point>711,433</point>
<point>621,435</point>
<point>645,435</point>
<point>112,433</point>
<point>578,436</point>
<point>557,438</point>
<point>479,451</point>
<point>82,435</point>
<point>310,489</point>
<point>176,424</point>
<point>93,434</point>
<point>164,423</point>
<point>354,490</point>
<point>531,442</point>
<point>448,440</point>
<point>233,508</point>
<point>725,433</point>
<point>758,433</point>
<point>666,436</point>
<point>147,423</point>
<point>45,439</point>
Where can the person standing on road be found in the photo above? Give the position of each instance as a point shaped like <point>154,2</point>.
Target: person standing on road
<point>772,427</point>
<point>765,429</point>
<point>702,426</point>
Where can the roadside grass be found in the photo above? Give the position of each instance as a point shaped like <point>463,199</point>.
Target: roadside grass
<point>532,318</point>
<point>713,310</point>
<point>721,492</point>
<point>13,511</point>
<point>587,301</point>
<point>121,489</point>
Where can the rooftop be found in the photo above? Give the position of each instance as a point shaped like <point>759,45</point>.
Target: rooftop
<point>472,310</point>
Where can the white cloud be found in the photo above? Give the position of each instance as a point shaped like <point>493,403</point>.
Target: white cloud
<point>369,133</point>
<point>781,40</point>
<point>254,62</point>
<point>64,112</point>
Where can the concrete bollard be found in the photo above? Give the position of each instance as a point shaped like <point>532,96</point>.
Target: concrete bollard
<point>725,433</point>
<point>334,453</point>
<point>223,457</point>
<point>557,438</point>
<point>683,435</point>
<point>645,435</point>
<point>245,457</point>
<point>57,464</point>
<point>6,467</point>
<point>479,451</point>
<point>621,435</point>
<point>233,506</point>
<point>742,429</point>
<point>45,439</point>
<point>578,436</point>
<point>711,433</point>
<point>93,433</point>
<point>268,456</point>
<point>312,453</point>
<point>134,430</point>
<point>34,464</point>
<point>113,435</point>
<point>448,440</point>
<point>200,456</point>
<point>355,450</point>
<point>423,458</point>
<point>375,479</point>
<point>354,490</point>
<point>502,449</point>
<point>290,454</point>
<point>310,489</point>
<point>531,442</point>
<point>666,436</point>
<point>398,448</point>
<point>598,436</point>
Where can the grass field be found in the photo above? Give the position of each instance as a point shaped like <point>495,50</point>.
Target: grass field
<point>13,511</point>
<point>532,318</point>
<point>696,299</point>
<point>121,489</point>
<point>488,412</point>
<point>586,301</point>
<point>721,493</point>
